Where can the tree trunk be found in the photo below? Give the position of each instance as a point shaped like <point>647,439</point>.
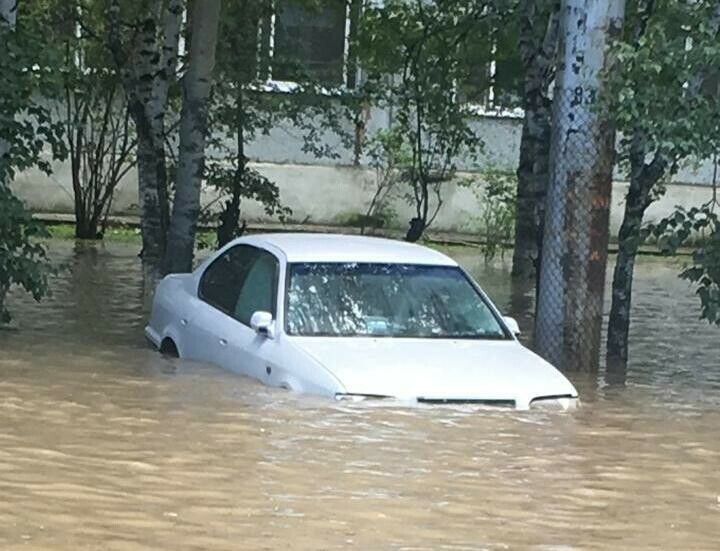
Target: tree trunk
<point>230,217</point>
<point>532,176</point>
<point>8,13</point>
<point>572,273</point>
<point>539,59</point>
<point>152,185</point>
<point>421,191</point>
<point>78,194</point>
<point>8,16</point>
<point>416,230</point>
<point>643,179</point>
<point>75,133</point>
<point>193,129</point>
<point>147,71</point>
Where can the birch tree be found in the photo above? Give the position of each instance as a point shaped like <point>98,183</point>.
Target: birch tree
<point>572,272</point>
<point>667,114</point>
<point>196,84</point>
<point>147,59</point>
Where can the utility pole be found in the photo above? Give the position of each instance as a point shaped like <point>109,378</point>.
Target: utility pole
<point>574,253</point>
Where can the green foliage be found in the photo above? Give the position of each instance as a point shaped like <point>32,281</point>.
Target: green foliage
<point>29,77</point>
<point>254,186</point>
<point>119,233</point>
<point>23,260</point>
<point>93,109</point>
<point>497,211</point>
<point>391,158</point>
<point>662,79</point>
<point>414,55</point>
<point>383,217</point>
<point>245,105</point>
<point>667,111</point>
<point>390,150</point>
<point>27,132</point>
<point>702,224</point>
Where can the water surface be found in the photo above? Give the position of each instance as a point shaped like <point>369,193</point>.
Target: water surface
<point>106,445</point>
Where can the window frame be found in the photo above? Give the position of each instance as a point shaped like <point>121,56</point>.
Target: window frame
<point>267,83</point>
<point>267,44</point>
<point>275,286</point>
<point>507,334</point>
<point>488,107</point>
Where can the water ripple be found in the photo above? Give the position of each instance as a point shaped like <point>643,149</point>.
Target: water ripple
<point>105,445</point>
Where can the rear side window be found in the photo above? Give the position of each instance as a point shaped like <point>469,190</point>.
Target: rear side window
<point>240,282</point>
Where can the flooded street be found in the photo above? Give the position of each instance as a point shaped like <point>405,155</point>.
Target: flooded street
<point>106,445</point>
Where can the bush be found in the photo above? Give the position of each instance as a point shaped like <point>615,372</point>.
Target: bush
<point>23,259</point>
<point>497,211</point>
<point>701,227</point>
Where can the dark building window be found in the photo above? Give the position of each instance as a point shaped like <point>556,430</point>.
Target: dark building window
<point>309,43</point>
<point>496,77</point>
<point>306,41</point>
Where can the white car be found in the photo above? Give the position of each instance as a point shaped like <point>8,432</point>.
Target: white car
<point>351,317</point>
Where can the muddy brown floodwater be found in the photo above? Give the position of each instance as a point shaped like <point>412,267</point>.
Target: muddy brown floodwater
<point>105,445</point>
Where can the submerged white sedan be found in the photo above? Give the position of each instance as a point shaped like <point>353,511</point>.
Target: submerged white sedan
<point>352,318</point>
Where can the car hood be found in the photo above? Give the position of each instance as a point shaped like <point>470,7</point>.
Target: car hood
<point>438,369</point>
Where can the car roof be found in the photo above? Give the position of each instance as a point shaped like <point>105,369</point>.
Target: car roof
<point>321,247</point>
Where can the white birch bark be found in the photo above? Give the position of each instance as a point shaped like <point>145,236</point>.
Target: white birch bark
<point>196,86</point>
<point>148,68</point>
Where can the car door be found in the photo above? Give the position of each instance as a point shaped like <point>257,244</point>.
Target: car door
<point>210,320</point>
<point>246,351</point>
<point>240,282</point>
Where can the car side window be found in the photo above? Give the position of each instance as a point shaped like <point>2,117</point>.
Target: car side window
<point>240,282</point>
<point>258,290</point>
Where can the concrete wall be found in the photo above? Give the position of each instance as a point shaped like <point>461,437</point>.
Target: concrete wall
<point>500,134</point>
<point>329,191</point>
<point>329,195</point>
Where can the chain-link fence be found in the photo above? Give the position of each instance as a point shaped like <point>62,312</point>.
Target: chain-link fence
<point>574,254</point>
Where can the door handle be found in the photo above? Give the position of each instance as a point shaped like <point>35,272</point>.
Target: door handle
<point>223,342</point>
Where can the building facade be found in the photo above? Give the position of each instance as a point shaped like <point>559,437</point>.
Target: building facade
<point>295,42</point>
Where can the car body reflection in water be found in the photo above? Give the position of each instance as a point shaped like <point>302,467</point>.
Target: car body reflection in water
<point>105,444</point>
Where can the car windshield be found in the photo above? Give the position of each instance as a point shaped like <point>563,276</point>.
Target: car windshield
<point>386,300</point>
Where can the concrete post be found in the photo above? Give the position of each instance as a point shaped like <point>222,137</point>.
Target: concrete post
<point>572,276</point>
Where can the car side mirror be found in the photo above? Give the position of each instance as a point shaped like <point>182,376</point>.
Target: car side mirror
<point>263,324</point>
<point>512,324</point>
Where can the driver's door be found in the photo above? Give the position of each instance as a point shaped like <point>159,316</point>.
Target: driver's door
<point>240,282</point>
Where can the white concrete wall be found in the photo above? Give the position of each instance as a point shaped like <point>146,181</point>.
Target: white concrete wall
<point>328,195</point>
<point>328,191</point>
